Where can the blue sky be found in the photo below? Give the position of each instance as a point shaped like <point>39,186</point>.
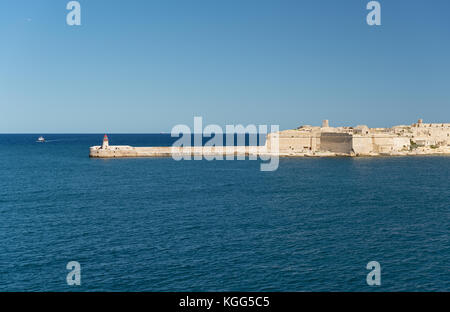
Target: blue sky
<point>145,65</point>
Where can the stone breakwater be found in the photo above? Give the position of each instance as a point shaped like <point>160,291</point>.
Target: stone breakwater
<point>312,141</point>
<point>122,151</point>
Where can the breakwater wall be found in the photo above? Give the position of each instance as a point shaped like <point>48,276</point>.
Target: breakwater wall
<point>122,151</point>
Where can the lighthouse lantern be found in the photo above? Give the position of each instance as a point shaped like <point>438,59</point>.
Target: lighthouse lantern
<point>105,142</point>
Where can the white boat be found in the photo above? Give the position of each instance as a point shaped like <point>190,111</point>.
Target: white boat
<point>41,139</point>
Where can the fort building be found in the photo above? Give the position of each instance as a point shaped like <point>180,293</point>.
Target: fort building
<point>418,138</point>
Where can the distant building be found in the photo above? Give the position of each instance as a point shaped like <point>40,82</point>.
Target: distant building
<point>361,130</point>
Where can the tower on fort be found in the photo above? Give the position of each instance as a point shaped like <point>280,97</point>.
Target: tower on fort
<point>105,142</point>
<point>325,123</point>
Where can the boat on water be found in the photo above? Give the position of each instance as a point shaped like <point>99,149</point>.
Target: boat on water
<point>40,139</point>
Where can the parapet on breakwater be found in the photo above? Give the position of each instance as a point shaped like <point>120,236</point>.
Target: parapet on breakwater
<point>122,151</point>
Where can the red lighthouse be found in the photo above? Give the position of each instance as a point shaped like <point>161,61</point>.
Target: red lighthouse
<point>105,142</point>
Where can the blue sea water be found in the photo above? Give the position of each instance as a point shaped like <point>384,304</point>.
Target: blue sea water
<point>165,225</point>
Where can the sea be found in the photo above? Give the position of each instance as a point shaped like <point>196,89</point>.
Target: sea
<point>156,224</point>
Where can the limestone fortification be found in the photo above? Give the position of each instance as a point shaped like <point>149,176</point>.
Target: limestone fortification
<point>417,139</point>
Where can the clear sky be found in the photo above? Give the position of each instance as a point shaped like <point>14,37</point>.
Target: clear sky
<point>147,65</point>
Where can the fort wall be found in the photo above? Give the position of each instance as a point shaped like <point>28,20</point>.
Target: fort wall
<point>336,142</point>
<point>362,145</point>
